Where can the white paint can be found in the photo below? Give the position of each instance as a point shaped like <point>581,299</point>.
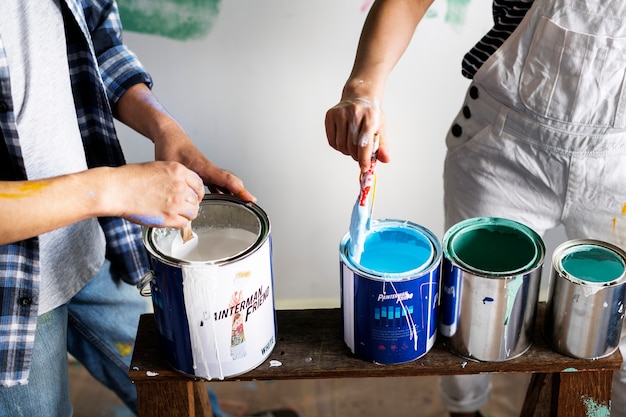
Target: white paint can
<point>214,310</point>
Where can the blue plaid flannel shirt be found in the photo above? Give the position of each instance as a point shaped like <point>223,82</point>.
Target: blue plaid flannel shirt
<point>101,70</point>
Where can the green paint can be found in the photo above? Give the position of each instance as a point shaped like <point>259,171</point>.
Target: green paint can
<point>490,286</point>
<point>585,310</point>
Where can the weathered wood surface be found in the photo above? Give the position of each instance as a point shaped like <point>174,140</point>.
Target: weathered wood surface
<point>310,346</point>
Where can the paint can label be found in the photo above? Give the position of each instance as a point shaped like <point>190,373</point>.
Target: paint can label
<point>230,310</point>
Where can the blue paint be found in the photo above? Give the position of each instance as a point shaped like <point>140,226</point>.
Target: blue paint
<point>487,300</point>
<point>150,221</point>
<point>396,250</point>
<point>593,264</point>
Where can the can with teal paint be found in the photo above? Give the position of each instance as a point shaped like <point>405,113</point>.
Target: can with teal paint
<point>389,298</point>
<point>491,276</point>
<point>585,309</point>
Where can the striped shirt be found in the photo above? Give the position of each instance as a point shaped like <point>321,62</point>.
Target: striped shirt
<point>507,15</point>
<point>101,70</point>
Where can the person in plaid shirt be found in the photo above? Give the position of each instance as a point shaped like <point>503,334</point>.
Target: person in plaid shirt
<point>71,210</point>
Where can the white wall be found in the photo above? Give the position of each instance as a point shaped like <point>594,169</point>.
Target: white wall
<point>253,94</point>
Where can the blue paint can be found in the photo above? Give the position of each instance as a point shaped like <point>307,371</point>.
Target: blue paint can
<point>490,287</point>
<point>389,299</point>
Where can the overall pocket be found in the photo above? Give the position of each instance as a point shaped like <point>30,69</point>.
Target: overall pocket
<point>574,77</point>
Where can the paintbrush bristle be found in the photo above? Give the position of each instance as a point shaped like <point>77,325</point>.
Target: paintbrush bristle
<point>186,233</point>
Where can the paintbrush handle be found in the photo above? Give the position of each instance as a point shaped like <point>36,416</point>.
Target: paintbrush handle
<point>186,233</point>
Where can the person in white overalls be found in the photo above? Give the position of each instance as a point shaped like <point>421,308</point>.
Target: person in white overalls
<point>540,138</point>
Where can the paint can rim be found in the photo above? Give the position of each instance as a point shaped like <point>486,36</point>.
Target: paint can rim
<point>148,233</point>
<point>426,268</point>
<point>571,246</point>
<point>476,223</point>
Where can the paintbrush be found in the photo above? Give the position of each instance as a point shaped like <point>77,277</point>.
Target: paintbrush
<point>184,242</point>
<point>363,207</point>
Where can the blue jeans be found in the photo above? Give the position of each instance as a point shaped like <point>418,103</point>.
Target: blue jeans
<point>98,327</point>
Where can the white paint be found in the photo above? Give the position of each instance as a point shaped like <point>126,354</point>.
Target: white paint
<point>212,244</point>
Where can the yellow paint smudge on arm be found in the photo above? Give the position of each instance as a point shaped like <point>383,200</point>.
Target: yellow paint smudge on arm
<point>624,209</point>
<point>22,189</point>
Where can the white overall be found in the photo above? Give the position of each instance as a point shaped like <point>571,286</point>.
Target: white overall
<point>541,139</point>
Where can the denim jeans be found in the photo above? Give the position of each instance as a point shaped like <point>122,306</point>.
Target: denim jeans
<point>98,327</point>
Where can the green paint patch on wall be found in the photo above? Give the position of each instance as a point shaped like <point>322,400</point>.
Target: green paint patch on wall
<point>455,15</point>
<point>174,19</point>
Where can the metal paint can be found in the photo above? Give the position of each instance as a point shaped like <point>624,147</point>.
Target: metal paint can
<point>390,315</point>
<point>585,309</point>
<point>490,286</point>
<point>215,316</point>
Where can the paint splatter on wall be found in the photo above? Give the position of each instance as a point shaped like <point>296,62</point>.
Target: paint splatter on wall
<point>194,19</point>
<point>175,19</point>
<point>455,13</point>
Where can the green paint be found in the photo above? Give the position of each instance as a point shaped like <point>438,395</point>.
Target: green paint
<point>494,248</point>
<point>512,288</point>
<point>175,19</point>
<point>457,12</point>
<point>593,264</point>
<point>594,409</point>
<point>570,370</point>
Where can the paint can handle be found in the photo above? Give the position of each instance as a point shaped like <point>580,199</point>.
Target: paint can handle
<point>142,285</point>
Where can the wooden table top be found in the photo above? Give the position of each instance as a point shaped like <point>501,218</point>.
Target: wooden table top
<point>310,345</point>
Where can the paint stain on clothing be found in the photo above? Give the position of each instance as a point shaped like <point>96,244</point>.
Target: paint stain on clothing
<point>124,349</point>
<point>23,189</point>
<point>617,227</point>
<point>175,19</point>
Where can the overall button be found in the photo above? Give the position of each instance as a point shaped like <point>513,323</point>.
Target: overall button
<point>473,92</point>
<point>466,112</point>
<point>456,130</point>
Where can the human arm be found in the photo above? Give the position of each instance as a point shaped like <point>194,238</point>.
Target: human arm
<point>128,86</point>
<point>163,194</point>
<point>140,110</point>
<point>352,123</point>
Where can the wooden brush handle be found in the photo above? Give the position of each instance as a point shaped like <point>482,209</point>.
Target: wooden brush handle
<point>186,232</point>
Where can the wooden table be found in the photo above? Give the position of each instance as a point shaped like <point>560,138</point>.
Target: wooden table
<point>310,346</point>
